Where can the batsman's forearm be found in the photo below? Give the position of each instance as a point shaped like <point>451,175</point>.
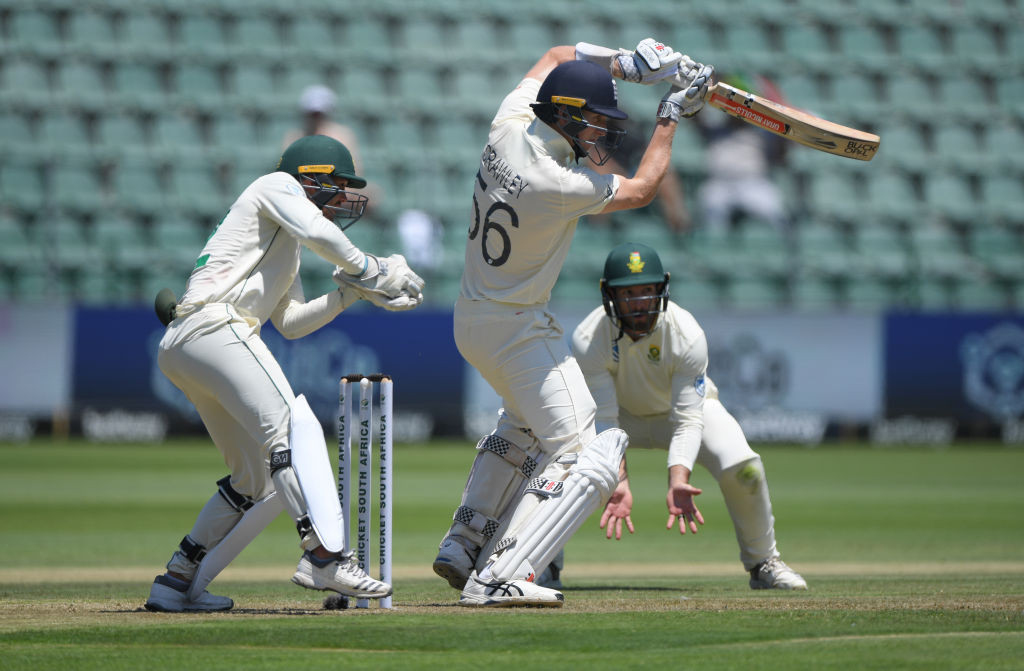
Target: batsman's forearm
<point>656,159</point>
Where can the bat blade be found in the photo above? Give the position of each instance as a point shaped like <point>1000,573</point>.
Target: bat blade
<point>793,124</point>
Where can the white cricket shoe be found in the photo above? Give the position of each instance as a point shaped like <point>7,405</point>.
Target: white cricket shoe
<point>340,574</point>
<point>774,574</point>
<point>508,593</point>
<point>455,559</point>
<point>165,597</point>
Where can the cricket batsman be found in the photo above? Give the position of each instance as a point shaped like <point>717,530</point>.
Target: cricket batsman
<point>544,469</point>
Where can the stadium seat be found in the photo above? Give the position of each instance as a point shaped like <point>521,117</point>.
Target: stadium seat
<point>815,294</point>
<point>999,250</point>
<point>976,46</point>
<point>754,294</point>
<point>142,27</point>
<point>870,293</point>
<point>76,186</point>
<point>89,29</point>
<point>139,85</point>
<point>863,45</point>
<point>891,195</point>
<point>939,255</point>
<point>34,29</point>
<point>199,84</point>
<point>257,33</point>
<point>948,195</point>
<point>17,250</point>
<point>881,252</point>
<point>919,44</point>
<point>119,133</point>
<point>1002,198</point>
<point>982,294</point>
<point>823,251</point>
<point>957,147</point>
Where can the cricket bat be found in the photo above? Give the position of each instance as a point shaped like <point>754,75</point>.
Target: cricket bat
<point>793,124</point>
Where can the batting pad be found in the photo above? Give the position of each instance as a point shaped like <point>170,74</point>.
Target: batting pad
<point>252,523</point>
<point>312,468</point>
<point>541,534</point>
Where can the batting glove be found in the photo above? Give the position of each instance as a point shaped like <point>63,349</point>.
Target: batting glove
<point>686,97</point>
<point>649,63</point>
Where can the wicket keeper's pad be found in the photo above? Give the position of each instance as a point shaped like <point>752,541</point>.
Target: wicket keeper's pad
<point>564,506</point>
<point>305,481</point>
<point>253,522</point>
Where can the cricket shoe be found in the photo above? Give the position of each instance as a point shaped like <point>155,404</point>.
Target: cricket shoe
<point>455,559</point>
<point>340,574</point>
<point>507,594</point>
<point>774,574</point>
<point>168,595</point>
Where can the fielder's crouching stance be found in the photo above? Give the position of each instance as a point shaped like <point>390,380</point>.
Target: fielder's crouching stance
<point>212,350</point>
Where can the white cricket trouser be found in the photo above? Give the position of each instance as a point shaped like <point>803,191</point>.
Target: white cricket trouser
<point>736,468</point>
<point>225,369</point>
<point>522,353</point>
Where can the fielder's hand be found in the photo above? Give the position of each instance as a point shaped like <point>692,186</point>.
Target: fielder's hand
<point>649,63</point>
<point>681,505</point>
<point>406,298</point>
<point>619,506</point>
<point>686,97</point>
<point>389,276</point>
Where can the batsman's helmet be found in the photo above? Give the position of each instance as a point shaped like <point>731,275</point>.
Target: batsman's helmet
<point>317,161</point>
<point>631,264</point>
<point>575,86</point>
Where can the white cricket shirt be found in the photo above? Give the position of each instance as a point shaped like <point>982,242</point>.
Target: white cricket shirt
<point>662,373</point>
<point>529,194</point>
<point>252,259</point>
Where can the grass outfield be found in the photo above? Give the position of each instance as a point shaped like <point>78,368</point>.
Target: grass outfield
<point>914,557</point>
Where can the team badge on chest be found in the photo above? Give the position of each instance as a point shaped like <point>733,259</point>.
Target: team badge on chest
<point>654,353</point>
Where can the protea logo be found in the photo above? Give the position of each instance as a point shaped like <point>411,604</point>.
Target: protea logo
<point>635,265</point>
<point>994,370</point>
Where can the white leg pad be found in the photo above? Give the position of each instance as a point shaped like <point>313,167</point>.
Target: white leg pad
<point>306,485</point>
<point>536,537</point>
<point>495,481</point>
<point>253,522</point>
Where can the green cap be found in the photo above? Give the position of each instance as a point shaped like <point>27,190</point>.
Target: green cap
<point>320,154</point>
<point>633,263</point>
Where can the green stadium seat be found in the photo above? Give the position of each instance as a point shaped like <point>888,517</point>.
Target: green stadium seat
<point>176,132</point>
<point>938,254</point>
<point>823,251</point>
<point>178,242</point>
<point>754,294</point>
<point>920,44</point>
<point>17,250</point>
<point>138,186</point>
<point>891,195</point>
<point>881,252</point>
<point>948,195</point>
<point>836,195</point>
<point>139,84</point>
<point>121,133</point>
<point>957,146</point>
<point>34,29</point>
<point>21,186</point>
<point>870,293</point>
<point>1002,198</point>
<point>69,247</point>
<point>80,84</point>
<point>815,294</point>
<point>1004,142</point>
<point>313,29</point>
<point>1000,250</point>
<point>76,186</point>
<point>982,294</point>
<point>142,27</point>
<point>15,136</point>
<point>88,30</point>
<point>257,33</point>
<point>199,83</point>
<point>864,46</point>
<point>694,292</point>
<point>806,42</point>
<point>25,81</point>
<point>976,46</point>
<point>746,45</point>
<point>854,94</point>
<point>123,244</point>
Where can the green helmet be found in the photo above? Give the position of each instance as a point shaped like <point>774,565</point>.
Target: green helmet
<point>628,265</point>
<point>316,160</point>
